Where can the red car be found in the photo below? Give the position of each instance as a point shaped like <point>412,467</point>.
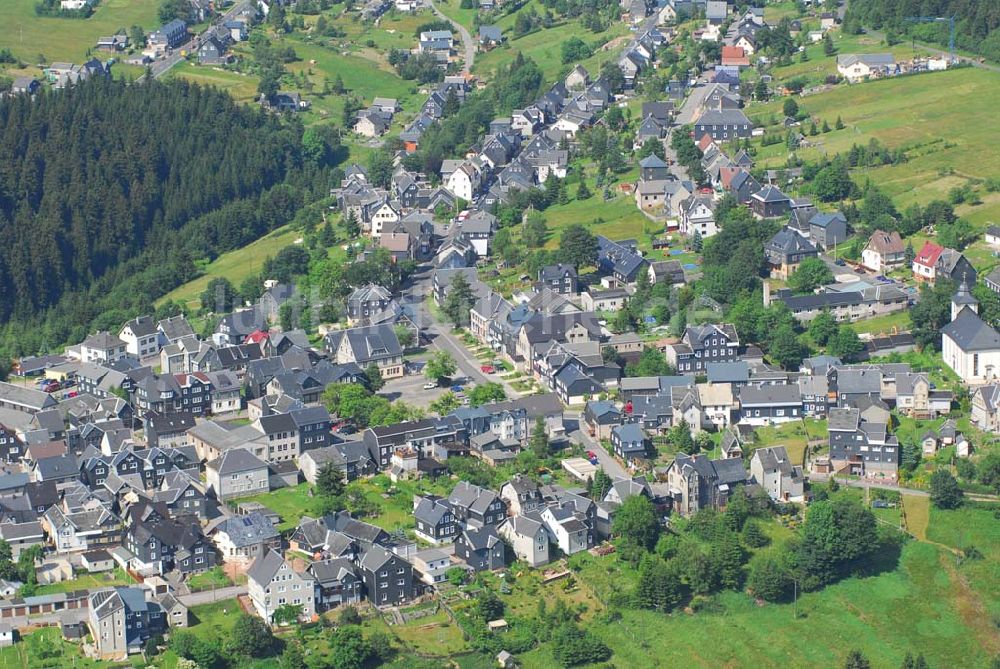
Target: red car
<point>487,369</point>
<point>50,386</point>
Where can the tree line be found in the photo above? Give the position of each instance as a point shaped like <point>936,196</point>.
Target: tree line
<point>111,192</point>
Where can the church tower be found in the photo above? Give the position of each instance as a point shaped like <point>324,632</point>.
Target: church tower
<point>962,299</point>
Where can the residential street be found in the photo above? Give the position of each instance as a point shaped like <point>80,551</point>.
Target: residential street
<point>467,42</point>
<point>161,67</point>
<point>440,336</point>
<point>608,463</point>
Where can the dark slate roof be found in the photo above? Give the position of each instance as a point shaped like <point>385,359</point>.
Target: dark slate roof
<point>769,395</point>
<point>971,333</point>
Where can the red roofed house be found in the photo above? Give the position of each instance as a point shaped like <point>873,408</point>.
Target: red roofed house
<point>738,182</point>
<point>705,142</point>
<point>925,261</point>
<point>734,56</point>
<point>255,337</point>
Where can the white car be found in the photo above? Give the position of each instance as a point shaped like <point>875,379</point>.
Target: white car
<point>430,386</point>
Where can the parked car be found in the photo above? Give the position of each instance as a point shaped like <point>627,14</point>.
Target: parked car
<point>50,386</point>
<point>488,369</point>
<point>430,386</point>
<point>457,389</point>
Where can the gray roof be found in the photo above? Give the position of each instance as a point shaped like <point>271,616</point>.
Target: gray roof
<point>265,567</point>
<point>844,419</point>
<point>236,460</point>
<point>728,372</point>
<point>247,530</point>
<point>769,395</point>
<point>971,333</point>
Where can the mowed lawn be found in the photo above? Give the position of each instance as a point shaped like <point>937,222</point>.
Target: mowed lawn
<point>620,219</point>
<point>235,266</point>
<point>242,87</point>
<point>28,35</point>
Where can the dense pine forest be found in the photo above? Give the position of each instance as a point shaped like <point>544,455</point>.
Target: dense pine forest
<point>109,192</point>
<point>977,22</point>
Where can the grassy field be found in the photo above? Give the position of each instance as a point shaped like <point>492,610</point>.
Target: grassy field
<point>974,525</point>
<point>235,266</point>
<point>45,648</point>
<point>27,34</point>
<point>289,503</point>
<point>918,518</point>
<point>819,66</point>
<point>910,608</point>
<point>242,87</point>
<point>544,45</point>
<point>940,118</point>
<point>899,321</point>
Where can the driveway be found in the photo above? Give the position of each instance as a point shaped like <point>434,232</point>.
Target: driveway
<point>216,595</point>
<point>468,44</point>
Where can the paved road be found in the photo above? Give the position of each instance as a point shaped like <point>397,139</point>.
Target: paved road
<point>441,338</point>
<point>854,483</point>
<point>467,43</point>
<point>161,67</point>
<point>607,461</point>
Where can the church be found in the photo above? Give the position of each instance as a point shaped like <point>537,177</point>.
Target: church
<point>969,345</point>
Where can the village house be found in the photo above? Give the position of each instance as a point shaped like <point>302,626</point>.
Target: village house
<point>272,584</point>
<point>858,67</point>
<point>884,252</point>
<point>772,470</point>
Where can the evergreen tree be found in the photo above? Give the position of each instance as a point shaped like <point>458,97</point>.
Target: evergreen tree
<point>458,301</point>
<point>539,439</point>
<point>578,246</point>
<point>839,125</point>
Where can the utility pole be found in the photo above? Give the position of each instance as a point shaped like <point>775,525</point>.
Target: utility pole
<point>795,599</point>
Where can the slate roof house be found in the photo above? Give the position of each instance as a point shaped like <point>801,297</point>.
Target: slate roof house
<point>696,483</point>
<point>364,346</point>
<point>242,539</point>
<point>388,578</point>
<point>481,548</point>
<point>828,230</point>
<point>723,125</point>
<point>629,442</point>
<point>771,469</point>
<point>769,202</point>
<point>561,279</point>
<point>861,448</point>
<point>237,473</point>
<point>786,250</point>
<point>701,345</point>
<point>121,620</point>
<point>272,583</point>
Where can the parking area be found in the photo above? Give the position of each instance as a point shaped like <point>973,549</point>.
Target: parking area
<point>411,389</point>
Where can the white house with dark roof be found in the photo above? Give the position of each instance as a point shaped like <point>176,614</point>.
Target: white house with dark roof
<point>141,337</point>
<point>242,539</point>
<point>272,584</point>
<point>855,67</point>
<point>772,470</point>
<point>237,473</point>
<point>970,345</point>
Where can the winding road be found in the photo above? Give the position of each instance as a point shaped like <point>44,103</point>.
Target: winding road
<point>467,43</point>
